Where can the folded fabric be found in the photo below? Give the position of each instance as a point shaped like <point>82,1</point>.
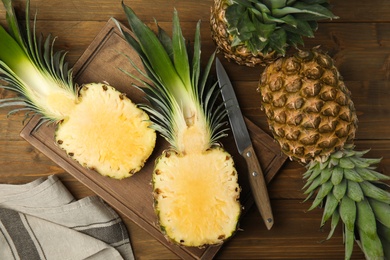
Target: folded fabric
<point>42,220</point>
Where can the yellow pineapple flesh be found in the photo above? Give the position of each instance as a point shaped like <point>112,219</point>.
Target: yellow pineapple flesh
<point>196,196</point>
<point>195,187</point>
<point>115,137</point>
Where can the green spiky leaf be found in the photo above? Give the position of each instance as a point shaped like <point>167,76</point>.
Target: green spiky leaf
<point>357,195</point>
<point>278,24</point>
<point>30,67</point>
<point>180,92</point>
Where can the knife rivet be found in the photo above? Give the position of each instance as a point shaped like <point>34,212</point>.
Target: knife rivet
<point>269,220</point>
<point>254,174</point>
<point>248,154</point>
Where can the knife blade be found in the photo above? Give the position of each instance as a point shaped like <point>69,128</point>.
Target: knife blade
<point>244,146</point>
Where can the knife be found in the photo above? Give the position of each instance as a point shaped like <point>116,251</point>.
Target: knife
<point>244,146</point>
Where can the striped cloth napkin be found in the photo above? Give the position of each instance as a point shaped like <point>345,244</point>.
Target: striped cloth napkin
<point>42,220</point>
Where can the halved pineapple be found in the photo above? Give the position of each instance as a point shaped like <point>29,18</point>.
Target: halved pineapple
<point>96,125</point>
<point>195,183</point>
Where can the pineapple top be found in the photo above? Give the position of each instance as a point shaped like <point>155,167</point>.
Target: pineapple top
<point>31,67</point>
<point>258,31</point>
<point>183,102</point>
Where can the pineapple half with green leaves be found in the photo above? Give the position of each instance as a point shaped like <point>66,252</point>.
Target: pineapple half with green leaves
<point>195,183</point>
<point>252,32</point>
<point>96,125</point>
<point>311,115</point>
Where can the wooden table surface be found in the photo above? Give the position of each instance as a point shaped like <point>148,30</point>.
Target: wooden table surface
<point>359,42</point>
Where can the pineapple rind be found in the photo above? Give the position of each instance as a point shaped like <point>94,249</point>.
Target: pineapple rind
<point>197,197</point>
<point>106,132</point>
<point>309,109</point>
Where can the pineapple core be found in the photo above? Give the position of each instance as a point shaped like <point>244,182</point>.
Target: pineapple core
<point>107,132</point>
<point>59,104</point>
<point>193,139</point>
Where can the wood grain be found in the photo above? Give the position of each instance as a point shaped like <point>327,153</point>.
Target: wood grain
<point>133,196</point>
<point>360,43</point>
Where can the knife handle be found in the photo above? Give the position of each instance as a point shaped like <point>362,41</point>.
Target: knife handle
<point>258,186</point>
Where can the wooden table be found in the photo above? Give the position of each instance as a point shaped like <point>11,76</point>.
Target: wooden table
<point>359,42</point>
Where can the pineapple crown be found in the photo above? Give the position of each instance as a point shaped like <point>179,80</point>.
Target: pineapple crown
<point>354,192</point>
<point>273,25</point>
<point>180,95</point>
<point>31,67</point>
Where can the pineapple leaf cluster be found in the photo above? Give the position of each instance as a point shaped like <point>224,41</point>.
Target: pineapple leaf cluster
<point>180,93</point>
<point>273,25</point>
<point>353,191</point>
<point>28,61</point>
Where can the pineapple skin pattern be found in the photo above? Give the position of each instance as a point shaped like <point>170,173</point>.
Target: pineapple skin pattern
<point>312,117</point>
<point>308,107</point>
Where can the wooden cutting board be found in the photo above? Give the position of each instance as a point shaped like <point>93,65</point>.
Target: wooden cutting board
<point>101,62</point>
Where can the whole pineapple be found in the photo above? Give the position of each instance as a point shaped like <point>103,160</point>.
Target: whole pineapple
<point>312,116</point>
<point>195,184</point>
<point>259,31</point>
<point>96,125</point>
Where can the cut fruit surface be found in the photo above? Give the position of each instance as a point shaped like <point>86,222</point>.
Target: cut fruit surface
<point>107,132</point>
<point>196,196</point>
